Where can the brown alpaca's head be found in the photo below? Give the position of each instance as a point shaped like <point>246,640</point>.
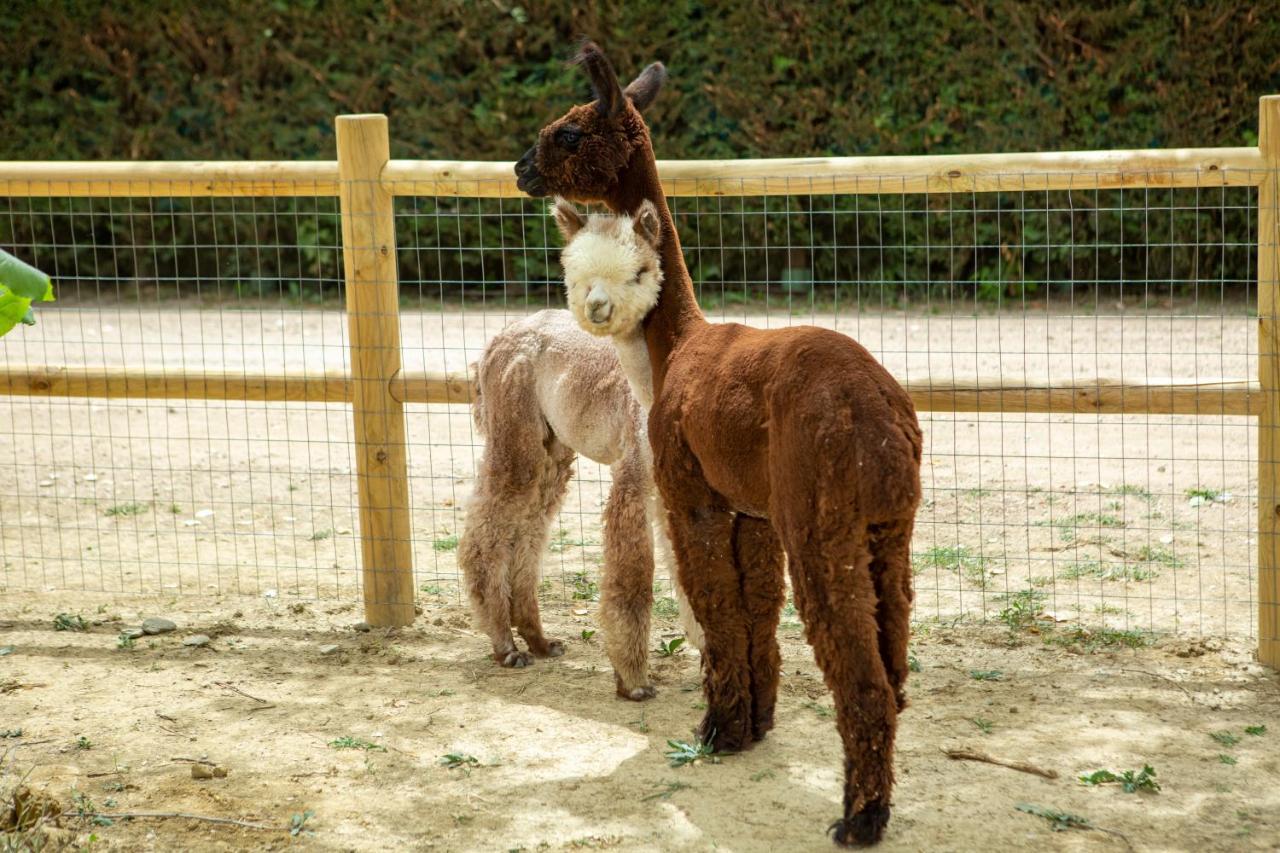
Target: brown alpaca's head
<point>582,154</point>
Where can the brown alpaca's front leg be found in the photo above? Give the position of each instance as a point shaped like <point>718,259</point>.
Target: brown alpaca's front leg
<point>759,557</point>
<point>626,598</point>
<point>703,540</point>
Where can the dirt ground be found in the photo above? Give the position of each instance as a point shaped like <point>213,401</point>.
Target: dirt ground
<point>561,764</point>
<point>1047,551</point>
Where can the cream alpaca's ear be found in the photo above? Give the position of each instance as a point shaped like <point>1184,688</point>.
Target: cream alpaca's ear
<point>567,218</point>
<point>647,223</point>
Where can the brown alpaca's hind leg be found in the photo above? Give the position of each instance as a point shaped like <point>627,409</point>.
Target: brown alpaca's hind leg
<point>891,571</point>
<point>553,476</point>
<point>626,598</point>
<point>703,540</point>
<point>836,599</point>
<point>757,551</point>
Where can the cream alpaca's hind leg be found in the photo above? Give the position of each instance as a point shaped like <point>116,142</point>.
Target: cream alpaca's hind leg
<point>626,599</point>
<point>486,550</point>
<point>662,538</point>
<point>552,475</point>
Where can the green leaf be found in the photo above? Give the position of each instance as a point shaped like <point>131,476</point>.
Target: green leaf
<point>20,285</point>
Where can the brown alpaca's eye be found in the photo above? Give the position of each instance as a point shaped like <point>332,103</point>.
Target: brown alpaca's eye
<point>569,137</point>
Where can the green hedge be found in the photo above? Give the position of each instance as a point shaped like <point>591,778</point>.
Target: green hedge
<point>475,80</point>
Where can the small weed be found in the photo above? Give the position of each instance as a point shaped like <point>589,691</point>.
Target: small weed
<point>11,733</point>
<point>584,588</point>
<point>913,662</point>
<point>1225,738</point>
<point>762,775</point>
<point>349,742</point>
<point>445,543</point>
<point>1200,496</point>
<point>669,649</point>
<point>175,509</point>
<point>984,726</point>
<point>125,643</point>
<point>561,542</point>
<point>665,790</point>
<point>683,753</point>
<point>1109,571</point>
<point>986,675</point>
<point>1229,760</point>
<point>298,823</point>
<point>432,589</point>
<point>1256,731</point>
<point>1023,608</point>
<point>1156,554</point>
<point>978,493</point>
<point>83,742</point>
<point>1135,491</point>
<point>587,634</point>
<point>1130,780</point>
<point>321,535</point>
<point>956,558</point>
<point>455,760</point>
<point>821,710</point>
<point>666,607</point>
<point>124,510</point>
<point>641,725</point>
<point>1059,821</point>
<point>1092,639</point>
<point>67,622</point>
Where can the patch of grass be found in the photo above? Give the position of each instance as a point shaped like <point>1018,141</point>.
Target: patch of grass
<point>666,607</point>
<point>9,733</point>
<point>669,649</point>
<point>683,752</point>
<point>349,742</point>
<point>1225,738</point>
<point>321,535</point>
<point>955,558</point>
<point>986,675</point>
<point>587,634</point>
<point>445,543</point>
<point>433,589</point>
<point>126,643</point>
<point>1109,571</point>
<point>1092,639</point>
<point>1022,608</point>
<point>83,742</point>
<point>1059,821</point>
<point>977,493</point>
<point>665,790</point>
<point>1134,491</point>
<point>175,509</point>
<point>298,823</point>
<point>1256,731</point>
<point>1229,760</point>
<point>1132,781</point>
<point>762,775</point>
<point>124,510</point>
<point>984,726</point>
<point>1156,554</point>
<point>913,662</point>
<point>1201,495</point>
<point>821,710</point>
<point>561,542</point>
<point>584,587</point>
<point>68,622</point>
<point>455,760</point>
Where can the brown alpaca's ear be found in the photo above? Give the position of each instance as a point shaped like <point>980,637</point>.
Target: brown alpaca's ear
<point>609,98</point>
<point>645,88</point>
<point>648,224</point>
<point>567,218</point>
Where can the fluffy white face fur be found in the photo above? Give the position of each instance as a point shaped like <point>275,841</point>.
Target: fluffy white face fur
<point>612,269</point>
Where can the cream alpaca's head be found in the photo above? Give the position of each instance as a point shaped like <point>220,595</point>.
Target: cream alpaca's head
<point>612,269</point>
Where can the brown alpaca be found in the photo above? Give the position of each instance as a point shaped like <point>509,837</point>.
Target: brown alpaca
<point>792,439</point>
<point>545,392</point>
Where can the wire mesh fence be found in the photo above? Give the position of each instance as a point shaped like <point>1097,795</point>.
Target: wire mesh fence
<point>1132,521</point>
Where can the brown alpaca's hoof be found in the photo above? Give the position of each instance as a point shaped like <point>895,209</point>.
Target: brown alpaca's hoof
<point>762,725</point>
<point>638,694</point>
<point>903,701</point>
<point>863,829</point>
<point>514,659</point>
<point>549,649</point>
<point>724,734</point>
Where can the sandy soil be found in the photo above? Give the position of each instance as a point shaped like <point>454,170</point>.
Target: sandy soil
<point>1089,516</point>
<point>563,765</point>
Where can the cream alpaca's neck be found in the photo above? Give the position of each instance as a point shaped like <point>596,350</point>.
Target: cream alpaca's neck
<point>633,353</point>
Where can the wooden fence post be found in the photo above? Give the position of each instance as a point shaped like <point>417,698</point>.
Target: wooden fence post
<point>373,317</point>
<point>1269,378</point>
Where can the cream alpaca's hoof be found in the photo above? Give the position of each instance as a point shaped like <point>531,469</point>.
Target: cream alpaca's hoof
<point>554,649</point>
<point>514,659</point>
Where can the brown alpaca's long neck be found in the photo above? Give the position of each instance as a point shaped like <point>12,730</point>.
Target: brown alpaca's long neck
<point>677,311</point>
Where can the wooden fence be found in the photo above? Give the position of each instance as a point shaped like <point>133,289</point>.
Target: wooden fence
<point>366,180</point>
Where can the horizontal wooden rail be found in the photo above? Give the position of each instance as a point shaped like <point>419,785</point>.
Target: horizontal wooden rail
<point>1080,170</point>
<point>1237,397</point>
<point>169,178</point>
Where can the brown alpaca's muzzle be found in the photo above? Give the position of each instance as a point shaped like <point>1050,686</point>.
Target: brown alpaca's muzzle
<point>528,179</point>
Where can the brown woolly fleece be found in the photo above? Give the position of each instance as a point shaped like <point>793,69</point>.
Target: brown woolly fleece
<point>764,440</point>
